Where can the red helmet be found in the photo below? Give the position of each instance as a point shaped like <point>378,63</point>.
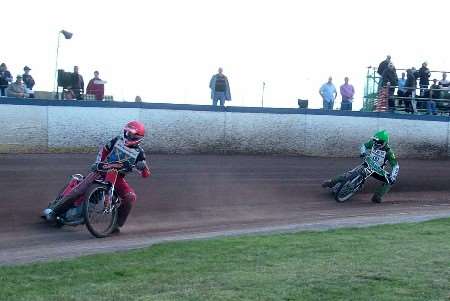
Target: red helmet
<point>133,133</point>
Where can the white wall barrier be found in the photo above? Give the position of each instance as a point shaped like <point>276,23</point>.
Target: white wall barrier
<point>27,127</point>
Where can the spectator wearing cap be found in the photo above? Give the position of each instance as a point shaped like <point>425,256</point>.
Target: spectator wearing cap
<point>96,87</point>
<point>17,89</point>
<point>77,85</point>
<point>220,88</point>
<point>5,79</point>
<point>347,93</point>
<point>28,80</point>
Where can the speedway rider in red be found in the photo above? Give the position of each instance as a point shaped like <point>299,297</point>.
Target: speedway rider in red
<point>123,148</point>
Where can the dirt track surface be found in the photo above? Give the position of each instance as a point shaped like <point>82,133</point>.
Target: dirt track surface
<point>198,196</point>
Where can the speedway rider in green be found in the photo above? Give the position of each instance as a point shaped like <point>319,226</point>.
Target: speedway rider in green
<point>378,148</point>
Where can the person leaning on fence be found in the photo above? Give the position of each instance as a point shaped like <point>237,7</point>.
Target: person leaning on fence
<point>347,93</point>
<point>328,93</point>
<point>96,87</point>
<point>444,82</point>
<point>17,89</point>
<point>220,88</point>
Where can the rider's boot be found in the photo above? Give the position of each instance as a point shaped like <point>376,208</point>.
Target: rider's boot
<point>327,184</point>
<point>380,192</point>
<point>330,183</point>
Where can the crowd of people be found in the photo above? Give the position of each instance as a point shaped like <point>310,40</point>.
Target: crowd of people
<point>429,96</point>
<point>23,85</point>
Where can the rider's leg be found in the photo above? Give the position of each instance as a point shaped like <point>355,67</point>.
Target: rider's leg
<point>380,192</point>
<point>128,198</point>
<point>67,201</point>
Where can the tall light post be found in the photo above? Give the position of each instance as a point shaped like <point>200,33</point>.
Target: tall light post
<point>67,35</point>
<point>262,94</point>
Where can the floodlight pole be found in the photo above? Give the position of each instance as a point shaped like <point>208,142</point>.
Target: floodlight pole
<point>55,84</point>
<point>262,95</point>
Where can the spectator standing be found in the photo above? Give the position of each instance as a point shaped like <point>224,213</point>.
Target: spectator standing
<point>220,88</point>
<point>328,93</point>
<point>383,66</point>
<point>347,93</point>
<point>424,75</point>
<point>138,99</point>
<point>17,89</point>
<point>401,86</point>
<point>77,85</point>
<point>28,80</point>
<point>390,77</point>
<point>96,87</point>
<point>444,82</point>
<point>435,93</point>
<point>5,79</point>
<point>410,86</point>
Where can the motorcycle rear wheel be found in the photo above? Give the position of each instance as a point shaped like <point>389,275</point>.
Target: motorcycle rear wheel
<point>99,222</point>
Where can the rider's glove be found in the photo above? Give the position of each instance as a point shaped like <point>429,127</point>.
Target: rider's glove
<point>392,179</point>
<point>126,165</point>
<point>94,167</point>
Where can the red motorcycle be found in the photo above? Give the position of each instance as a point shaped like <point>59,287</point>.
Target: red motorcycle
<point>98,207</point>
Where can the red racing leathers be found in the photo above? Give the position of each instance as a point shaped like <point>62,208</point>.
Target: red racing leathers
<point>115,150</point>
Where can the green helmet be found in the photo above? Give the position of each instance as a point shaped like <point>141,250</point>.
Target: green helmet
<point>381,138</point>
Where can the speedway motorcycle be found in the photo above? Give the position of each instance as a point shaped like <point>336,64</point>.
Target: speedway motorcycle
<point>98,207</point>
<point>356,178</point>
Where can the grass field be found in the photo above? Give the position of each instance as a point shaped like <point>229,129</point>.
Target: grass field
<point>392,262</point>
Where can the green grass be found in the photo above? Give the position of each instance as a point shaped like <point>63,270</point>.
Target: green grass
<point>392,262</point>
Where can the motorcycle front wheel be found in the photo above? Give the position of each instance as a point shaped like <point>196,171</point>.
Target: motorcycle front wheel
<point>347,190</point>
<point>100,219</point>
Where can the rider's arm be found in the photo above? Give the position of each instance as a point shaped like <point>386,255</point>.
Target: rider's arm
<point>394,164</point>
<point>105,150</point>
<point>141,165</point>
<point>364,147</point>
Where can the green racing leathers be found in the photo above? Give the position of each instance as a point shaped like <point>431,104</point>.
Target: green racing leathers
<point>381,156</point>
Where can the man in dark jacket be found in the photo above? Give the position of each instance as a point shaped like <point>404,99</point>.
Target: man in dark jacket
<point>383,65</point>
<point>424,78</point>
<point>77,84</point>
<point>410,86</point>
<point>5,79</point>
<point>389,76</point>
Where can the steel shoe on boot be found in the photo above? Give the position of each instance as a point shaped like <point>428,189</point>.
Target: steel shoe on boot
<point>49,215</point>
<point>327,184</point>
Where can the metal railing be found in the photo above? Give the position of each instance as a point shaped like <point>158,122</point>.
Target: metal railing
<point>387,99</point>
